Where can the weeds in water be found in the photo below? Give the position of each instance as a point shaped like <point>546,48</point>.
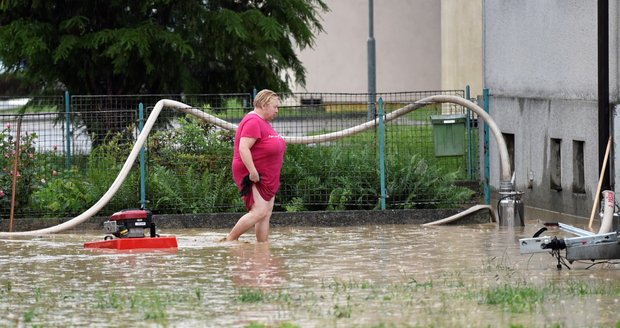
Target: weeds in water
<point>251,296</point>
<point>108,300</point>
<point>152,304</point>
<point>499,266</point>
<point>336,302</point>
<point>198,293</point>
<point>29,315</point>
<point>383,325</point>
<point>8,286</point>
<point>37,294</point>
<point>281,325</point>
<point>514,299</point>
<point>342,311</point>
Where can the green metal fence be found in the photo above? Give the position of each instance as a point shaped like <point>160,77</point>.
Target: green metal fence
<point>73,146</point>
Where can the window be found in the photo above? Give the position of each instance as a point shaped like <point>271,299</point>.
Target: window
<point>578,170</point>
<point>555,164</point>
<point>510,144</point>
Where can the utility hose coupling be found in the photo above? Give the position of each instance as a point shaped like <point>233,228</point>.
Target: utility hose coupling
<point>506,187</point>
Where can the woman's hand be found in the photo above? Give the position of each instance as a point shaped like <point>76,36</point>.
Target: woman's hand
<point>254,177</point>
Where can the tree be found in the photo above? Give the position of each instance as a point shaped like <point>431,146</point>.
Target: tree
<point>116,47</point>
<point>160,46</point>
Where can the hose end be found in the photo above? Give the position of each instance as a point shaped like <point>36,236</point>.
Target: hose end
<point>506,187</point>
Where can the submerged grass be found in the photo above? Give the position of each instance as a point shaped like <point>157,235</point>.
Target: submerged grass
<point>514,299</point>
<point>251,296</point>
<point>494,289</point>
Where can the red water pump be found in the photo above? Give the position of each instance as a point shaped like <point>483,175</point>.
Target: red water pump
<point>130,224</point>
<point>127,229</point>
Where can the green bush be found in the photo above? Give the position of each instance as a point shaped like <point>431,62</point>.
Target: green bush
<point>27,173</point>
<point>72,191</point>
<point>192,191</point>
<point>189,171</point>
<point>335,178</point>
<point>413,183</point>
<point>64,195</point>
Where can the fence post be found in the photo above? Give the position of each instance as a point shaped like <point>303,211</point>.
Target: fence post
<point>382,153</point>
<point>469,143</point>
<point>142,171</point>
<point>487,193</point>
<point>67,131</point>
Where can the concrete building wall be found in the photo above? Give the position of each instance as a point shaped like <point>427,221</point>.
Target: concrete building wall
<point>408,45</point>
<point>540,65</point>
<point>461,45</point>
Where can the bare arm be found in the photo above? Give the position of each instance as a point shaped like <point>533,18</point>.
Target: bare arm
<point>246,157</point>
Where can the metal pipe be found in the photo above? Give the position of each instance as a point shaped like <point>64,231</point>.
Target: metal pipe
<point>372,76</point>
<point>67,131</point>
<point>485,136</point>
<point>142,164</point>
<point>469,145</point>
<point>382,154</point>
<point>15,166</point>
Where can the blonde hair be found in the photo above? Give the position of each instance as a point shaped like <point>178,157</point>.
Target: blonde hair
<point>264,97</point>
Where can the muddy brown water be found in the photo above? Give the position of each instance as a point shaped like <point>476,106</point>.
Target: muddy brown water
<point>363,276</point>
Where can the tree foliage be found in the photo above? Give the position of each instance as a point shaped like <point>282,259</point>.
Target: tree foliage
<point>119,47</point>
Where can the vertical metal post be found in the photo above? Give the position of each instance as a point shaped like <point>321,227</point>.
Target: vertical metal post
<point>15,170</point>
<point>468,122</point>
<point>372,78</point>
<point>486,189</point>
<point>603,88</point>
<point>142,171</point>
<point>382,153</point>
<point>67,131</point>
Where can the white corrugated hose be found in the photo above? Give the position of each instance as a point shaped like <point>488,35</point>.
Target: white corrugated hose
<point>166,103</point>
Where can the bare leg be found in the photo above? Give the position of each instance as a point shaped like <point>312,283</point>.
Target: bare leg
<point>261,210</point>
<point>262,228</point>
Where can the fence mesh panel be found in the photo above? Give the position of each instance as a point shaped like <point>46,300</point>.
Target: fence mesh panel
<point>68,161</point>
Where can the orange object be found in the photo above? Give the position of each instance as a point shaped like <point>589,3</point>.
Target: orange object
<point>134,243</point>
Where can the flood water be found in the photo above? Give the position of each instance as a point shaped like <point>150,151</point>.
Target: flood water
<point>366,276</point>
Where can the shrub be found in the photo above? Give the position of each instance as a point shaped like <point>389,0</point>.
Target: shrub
<point>27,171</point>
<point>71,192</point>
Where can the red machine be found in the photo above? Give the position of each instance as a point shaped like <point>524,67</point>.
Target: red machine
<point>127,229</point>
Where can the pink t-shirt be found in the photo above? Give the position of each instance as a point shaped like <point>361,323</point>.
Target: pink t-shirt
<point>267,154</point>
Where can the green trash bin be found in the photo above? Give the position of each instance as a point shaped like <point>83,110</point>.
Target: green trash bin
<point>449,134</point>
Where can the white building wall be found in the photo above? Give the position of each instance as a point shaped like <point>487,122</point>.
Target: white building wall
<point>540,65</point>
<point>461,45</point>
<point>408,46</point>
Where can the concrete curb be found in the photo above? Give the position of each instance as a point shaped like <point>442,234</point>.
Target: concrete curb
<point>278,219</point>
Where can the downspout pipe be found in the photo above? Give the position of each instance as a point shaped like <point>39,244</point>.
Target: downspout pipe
<point>372,66</point>
<point>603,88</point>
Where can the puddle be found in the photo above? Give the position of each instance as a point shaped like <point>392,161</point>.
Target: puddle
<point>368,276</point>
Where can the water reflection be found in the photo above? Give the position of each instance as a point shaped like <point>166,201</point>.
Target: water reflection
<point>254,266</point>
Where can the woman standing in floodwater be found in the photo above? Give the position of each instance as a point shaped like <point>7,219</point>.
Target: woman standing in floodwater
<point>256,165</point>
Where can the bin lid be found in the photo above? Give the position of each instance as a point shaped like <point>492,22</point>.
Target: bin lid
<point>448,119</point>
